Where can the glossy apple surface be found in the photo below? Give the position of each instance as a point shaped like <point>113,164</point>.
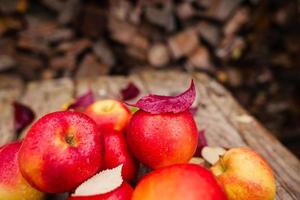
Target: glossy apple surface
<point>60,151</point>
<point>12,184</point>
<point>179,182</point>
<point>109,114</point>
<point>245,175</point>
<point>159,140</point>
<point>116,152</point>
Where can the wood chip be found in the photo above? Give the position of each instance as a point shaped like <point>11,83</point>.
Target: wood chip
<point>6,62</point>
<point>183,43</point>
<point>200,59</point>
<point>91,67</point>
<point>210,32</point>
<point>241,16</point>
<point>162,17</point>
<point>221,9</point>
<point>104,53</point>
<point>159,55</point>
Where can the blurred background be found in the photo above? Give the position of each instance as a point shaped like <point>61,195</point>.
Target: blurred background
<point>250,46</point>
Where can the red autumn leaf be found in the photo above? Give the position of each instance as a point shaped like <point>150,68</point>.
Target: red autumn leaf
<point>202,142</point>
<point>157,104</point>
<point>23,116</point>
<point>83,101</point>
<point>130,92</point>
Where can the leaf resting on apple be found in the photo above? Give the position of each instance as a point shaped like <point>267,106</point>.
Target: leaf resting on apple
<point>101,183</point>
<point>156,104</point>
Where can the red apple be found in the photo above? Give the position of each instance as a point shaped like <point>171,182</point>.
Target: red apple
<point>12,184</point>
<point>116,152</point>
<point>245,175</point>
<point>60,151</point>
<point>106,185</point>
<point>109,114</point>
<point>178,182</point>
<point>159,140</point>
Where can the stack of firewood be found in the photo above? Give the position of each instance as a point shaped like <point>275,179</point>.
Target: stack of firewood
<point>252,46</point>
<point>55,38</point>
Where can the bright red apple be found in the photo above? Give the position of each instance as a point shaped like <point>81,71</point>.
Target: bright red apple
<point>60,151</point>
<point>116,152</point>
<point>12,184</point>
<point>179,182</point>
<point>106,185</point>
<point>109,114</point>
<point>159,140</point>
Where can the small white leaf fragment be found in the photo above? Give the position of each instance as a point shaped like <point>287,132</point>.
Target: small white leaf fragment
<point>212,154</point>
<point>101,183</point>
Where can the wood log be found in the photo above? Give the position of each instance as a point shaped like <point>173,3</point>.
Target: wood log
<point>91,67</point>
<point>183,43</point>
<point>159,55</point>
<point>200,59</point>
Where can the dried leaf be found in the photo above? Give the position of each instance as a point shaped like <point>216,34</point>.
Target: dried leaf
<point>23,116</point>
<point>130,92</point>
<point>157,104</point>
<point>82,102</point>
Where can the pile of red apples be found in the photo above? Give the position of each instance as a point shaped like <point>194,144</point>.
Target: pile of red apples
<point>108,152</point>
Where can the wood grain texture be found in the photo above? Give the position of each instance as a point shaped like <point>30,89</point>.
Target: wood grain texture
<point>10,90</point>
<point>285,165</point>
<point>48,96</point>
<point>226,123</point>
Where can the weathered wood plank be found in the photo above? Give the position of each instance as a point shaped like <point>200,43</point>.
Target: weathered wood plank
<point>226,123</point>
<point>104,87</point>
<point>99,86</point>
<point>285,165</point>
<point>10,90</point>
<point>48,96</point>
<point>222,131</point>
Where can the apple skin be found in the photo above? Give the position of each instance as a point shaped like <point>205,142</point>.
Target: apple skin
<point>109,114</point>
<point>60,151</point>
<point>245,175</point>
<point>12,184</point>
<point>124,192</point>
<point>177,182</point>
<point>116,152</point>
<point>159,140</point>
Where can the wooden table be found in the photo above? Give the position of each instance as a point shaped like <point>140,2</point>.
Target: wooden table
<point>225,121</point>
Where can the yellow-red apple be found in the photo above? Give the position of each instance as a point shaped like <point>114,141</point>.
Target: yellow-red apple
<point>178,182</point>
<point>109,114</point>
<point>60,151</point>
<point>12,184</point>
<point>245,175</point>
<point>159,140</point>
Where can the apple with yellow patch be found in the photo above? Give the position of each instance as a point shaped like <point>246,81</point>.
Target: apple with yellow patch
<point>110,115</point>
<point>12,184</point>
<point>245,175</point>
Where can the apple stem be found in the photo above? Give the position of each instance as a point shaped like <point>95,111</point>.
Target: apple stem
<point>70,139</point>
